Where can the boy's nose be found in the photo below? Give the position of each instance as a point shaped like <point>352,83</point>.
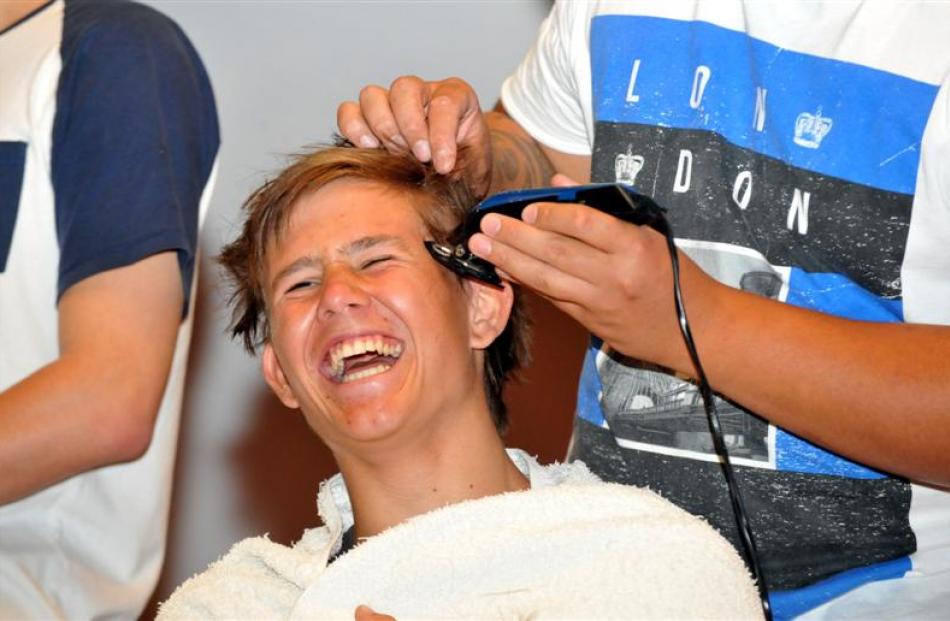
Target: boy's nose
<point>342,290</point>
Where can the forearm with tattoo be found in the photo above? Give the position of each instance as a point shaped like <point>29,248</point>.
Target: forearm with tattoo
<point>517,160</point>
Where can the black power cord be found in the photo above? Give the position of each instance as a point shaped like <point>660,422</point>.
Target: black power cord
<point>709,403</point>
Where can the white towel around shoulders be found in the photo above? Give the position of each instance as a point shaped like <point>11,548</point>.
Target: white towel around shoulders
<point>599,551</point>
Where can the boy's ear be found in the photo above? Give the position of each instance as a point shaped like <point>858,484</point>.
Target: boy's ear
<point>489,309</point>
<point>274,376</point>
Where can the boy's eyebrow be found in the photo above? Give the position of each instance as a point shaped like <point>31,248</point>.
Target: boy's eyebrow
<point>354,247</point>
<point>302,263</point>
<point>365,243</point>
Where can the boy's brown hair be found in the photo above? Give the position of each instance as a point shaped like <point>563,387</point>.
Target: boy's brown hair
<point>444,203</point>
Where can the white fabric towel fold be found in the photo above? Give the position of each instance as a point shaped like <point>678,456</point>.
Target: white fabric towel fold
<point>570,547</point>
<point>599,551</point>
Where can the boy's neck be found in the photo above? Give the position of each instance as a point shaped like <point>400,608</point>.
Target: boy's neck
<point>429,475</point>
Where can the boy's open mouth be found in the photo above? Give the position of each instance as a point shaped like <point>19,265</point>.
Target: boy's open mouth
<point>361,357</point>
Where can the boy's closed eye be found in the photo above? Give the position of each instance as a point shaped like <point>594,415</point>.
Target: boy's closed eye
<point>376,261</point>
<point>303,284</point>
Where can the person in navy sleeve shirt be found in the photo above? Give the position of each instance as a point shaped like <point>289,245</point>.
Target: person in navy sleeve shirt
<point>108,142</point>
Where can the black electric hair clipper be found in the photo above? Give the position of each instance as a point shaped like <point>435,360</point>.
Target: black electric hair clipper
<point>616,199</point>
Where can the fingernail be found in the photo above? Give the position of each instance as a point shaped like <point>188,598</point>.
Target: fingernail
<point>491,224</point>
<point>399,140</point>
<point>443,161</point>
<point>368,142</point>
<point>530,214</point>
<point>422,150</point>
<point>480,245</point>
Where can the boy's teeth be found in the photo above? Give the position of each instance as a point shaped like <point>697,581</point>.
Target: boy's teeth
<point>359,346</point>
<point>376,370</point>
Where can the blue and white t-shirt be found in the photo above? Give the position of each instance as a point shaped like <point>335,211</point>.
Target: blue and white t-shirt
<point>108,140</point>
<point>801,151</point>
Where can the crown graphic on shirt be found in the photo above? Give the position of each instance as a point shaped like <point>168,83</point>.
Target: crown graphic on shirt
<point>811,129</point>
<point>626,166</point>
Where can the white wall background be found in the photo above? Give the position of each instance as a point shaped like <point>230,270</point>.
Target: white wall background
<point>279,69</point>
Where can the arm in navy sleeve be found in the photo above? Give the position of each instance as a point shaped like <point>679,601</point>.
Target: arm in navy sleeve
<point>134,143</point>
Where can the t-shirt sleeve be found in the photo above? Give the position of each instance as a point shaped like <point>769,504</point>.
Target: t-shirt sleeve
<point>134,141</point>
<point>549,93</point>
<point>925,274</point>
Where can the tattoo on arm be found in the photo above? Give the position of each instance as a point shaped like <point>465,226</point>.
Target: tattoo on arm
<point>517,161</point>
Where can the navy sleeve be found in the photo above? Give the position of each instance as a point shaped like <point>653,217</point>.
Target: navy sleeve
<point>12,163</point>
<point>134,140</point>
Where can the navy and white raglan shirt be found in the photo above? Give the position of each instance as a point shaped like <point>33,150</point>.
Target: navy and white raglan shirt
<point>803,153</point>
<point>108,141</point>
